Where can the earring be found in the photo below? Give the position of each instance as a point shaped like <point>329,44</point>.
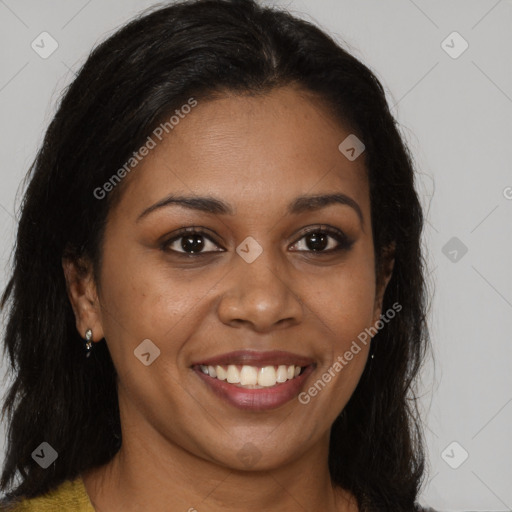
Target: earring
<point>372,351</point>
<point>88,342</point>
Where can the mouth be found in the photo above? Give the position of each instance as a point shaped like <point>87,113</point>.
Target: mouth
<point>253,377</point>
<point>255,381</point>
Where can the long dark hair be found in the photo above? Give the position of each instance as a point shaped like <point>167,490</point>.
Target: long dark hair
<point>129,83</point>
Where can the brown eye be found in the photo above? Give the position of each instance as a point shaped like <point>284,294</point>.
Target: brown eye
<point>324,240</point>
<point>194,242</point>
<point>190,242</point>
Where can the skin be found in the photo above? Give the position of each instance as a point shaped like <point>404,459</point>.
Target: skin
<point>181,443</point>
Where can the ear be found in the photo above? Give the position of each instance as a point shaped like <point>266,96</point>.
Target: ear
<point>83,296</point>
<point>384,275</point>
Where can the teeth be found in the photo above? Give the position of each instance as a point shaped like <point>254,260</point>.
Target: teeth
<point>233,374</point>
<point>253,376</point>
<point>267,377</point>
<point>248,375</point>
<point>282,373</point>
<point>221,373</point>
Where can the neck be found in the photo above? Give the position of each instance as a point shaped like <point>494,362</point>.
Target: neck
<point>165,475</point>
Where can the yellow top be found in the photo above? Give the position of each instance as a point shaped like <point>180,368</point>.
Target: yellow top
<point>69,496</point>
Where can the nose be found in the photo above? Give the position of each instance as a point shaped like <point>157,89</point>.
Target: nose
<point>259,295</point>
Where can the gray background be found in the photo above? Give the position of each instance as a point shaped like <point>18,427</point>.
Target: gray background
<point>456,115</point>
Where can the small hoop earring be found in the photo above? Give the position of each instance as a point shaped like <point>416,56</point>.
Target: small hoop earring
<point>88,342</point>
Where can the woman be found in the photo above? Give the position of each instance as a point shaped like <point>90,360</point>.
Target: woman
<point>223,217</point>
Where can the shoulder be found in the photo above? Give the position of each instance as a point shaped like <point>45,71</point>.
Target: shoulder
<point>69,496</point>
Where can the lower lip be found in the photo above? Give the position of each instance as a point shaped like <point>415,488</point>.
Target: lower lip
<point>262,399</point>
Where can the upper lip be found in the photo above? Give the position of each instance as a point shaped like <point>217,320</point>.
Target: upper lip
<point>256,358</point>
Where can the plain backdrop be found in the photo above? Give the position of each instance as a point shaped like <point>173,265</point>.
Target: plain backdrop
<point>446,68</point>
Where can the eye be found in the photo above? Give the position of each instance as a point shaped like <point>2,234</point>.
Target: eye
<point>321,240</point>
<point>190,242</point>
<point>317,240</point>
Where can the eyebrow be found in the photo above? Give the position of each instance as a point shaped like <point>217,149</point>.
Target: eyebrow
<point>212,205</point>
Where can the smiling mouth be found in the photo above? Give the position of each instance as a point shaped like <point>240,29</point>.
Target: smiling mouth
<point>253,377</point>
<point>255,380</point>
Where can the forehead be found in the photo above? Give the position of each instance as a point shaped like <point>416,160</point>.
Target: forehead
<point>260,150</point>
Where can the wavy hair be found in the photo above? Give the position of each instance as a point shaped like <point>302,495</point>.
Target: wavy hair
<point>127,85</point>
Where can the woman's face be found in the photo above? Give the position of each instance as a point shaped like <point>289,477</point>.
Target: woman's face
<point>253,290</point>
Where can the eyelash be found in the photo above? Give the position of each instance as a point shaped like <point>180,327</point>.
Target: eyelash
<point>344,242</point>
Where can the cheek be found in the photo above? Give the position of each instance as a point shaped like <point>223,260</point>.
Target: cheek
<point>143,298</point>
<point>344,299</point>
<point>344,311</point>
